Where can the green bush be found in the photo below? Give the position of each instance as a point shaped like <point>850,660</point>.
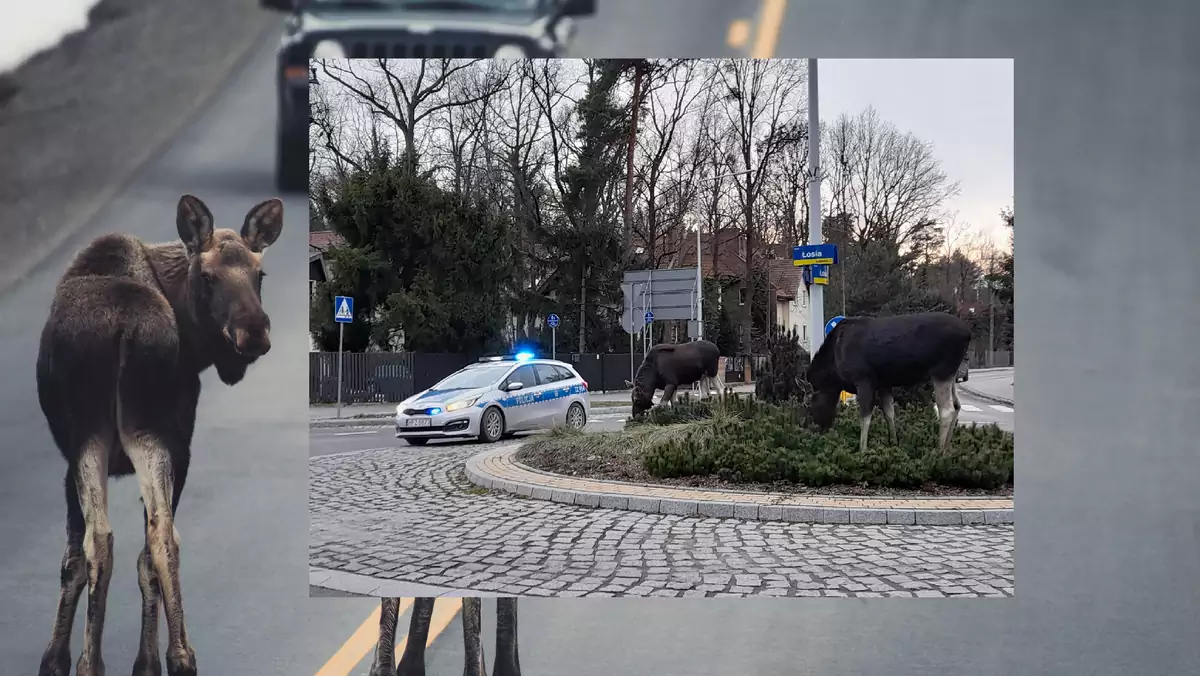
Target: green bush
<point>784,378</point>
<point>752,441</point>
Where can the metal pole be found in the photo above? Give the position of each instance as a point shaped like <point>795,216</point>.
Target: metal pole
<point>699,290</point>
<point>816,291</point>
<point>553,342</point>
<point>991,313</point>
<point>341,333</point>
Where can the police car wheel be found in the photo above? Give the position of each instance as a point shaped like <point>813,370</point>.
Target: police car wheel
<point>491,425</point>
<point>576,418</point>
<point>417,441</point>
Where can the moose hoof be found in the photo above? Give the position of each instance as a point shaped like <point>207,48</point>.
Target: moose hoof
<point>88,668</point>
<point>181,663</point>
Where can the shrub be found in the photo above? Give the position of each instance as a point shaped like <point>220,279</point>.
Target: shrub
<point>784,378</point>
<point>752,441</point>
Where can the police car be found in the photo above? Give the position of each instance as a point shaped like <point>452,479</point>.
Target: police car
<point>402,29</point>
<point>496,397</point>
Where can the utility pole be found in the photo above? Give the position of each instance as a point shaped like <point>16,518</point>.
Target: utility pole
<point>637,96</point>
<point>816,291</point>
<point>991,311</point>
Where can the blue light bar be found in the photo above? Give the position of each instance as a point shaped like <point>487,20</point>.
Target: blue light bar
<point>524,356</point>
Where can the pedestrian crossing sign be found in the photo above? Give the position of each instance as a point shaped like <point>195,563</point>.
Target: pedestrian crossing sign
<point>343,312</point>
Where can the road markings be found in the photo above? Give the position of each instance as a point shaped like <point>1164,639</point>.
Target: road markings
<point>971,409</point>
<point>362,642</point>
<point>1005,409</point>
<point>739,34</point>
<point>350,434</point>
<point>770,23</point>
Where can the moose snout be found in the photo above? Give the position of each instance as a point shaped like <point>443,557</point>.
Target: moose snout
<point>252,338</point>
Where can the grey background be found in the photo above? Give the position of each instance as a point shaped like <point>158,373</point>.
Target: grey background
<point>1108,559</point>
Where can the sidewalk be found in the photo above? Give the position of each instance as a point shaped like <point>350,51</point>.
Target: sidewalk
<point>995,384</point>
<point>325,413</point>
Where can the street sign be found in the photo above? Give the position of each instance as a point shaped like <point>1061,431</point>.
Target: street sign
<point>343,309</point>
<point>815,254</point>
<point>820,273</point>
<point>649,317</point>
<point>552,320</point>
<point>832,323</point>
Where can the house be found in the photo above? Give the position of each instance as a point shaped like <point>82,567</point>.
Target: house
<point>319,242</point>
<point>789,293</point>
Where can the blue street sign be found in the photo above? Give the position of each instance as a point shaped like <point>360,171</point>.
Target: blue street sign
<point>815,254</point>
<point>832,323</point>
<point>807,274</point>
<point>820,273</point>
<point>343,309</point>
<point>649,316</point>
<point>552,320</point>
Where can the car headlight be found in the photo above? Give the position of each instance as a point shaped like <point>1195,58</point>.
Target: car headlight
<point>510,51</point>
<point>461,404</point>
<point>328,49</point>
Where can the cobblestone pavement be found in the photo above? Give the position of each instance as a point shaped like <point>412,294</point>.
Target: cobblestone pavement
<point>410,514</point>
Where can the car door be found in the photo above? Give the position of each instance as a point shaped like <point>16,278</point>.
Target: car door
<point>552,408</point>
<point>519,410</point>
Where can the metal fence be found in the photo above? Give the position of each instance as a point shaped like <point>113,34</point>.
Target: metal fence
<point>979,359</point>
<point>388,377</point>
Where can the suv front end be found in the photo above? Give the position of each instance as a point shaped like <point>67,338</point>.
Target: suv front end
<point>399,29</point>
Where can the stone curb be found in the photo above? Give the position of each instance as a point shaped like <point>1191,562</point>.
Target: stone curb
<point>748,511</point>
<point>986,397</point>
<point>365,585</point>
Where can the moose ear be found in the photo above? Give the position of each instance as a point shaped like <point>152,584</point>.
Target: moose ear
<point>263,225</point>
<point>195,224</point>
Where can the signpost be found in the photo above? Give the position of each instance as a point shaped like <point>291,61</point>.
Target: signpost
<point>832,323</point>
<point>552,320</point>
<point>343,314</point>
<point>815,254</point>
<point>649,317</point>
<point>820,273</point>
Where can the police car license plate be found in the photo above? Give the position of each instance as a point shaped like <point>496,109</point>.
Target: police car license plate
<point>417,422</point>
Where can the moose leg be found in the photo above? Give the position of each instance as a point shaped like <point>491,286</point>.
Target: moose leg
<point>888,404</point>
<point>507,657</point>
<point>472,619</point>
<point>944,395</point>
<point>385,650</point>
<point>412,662</point>
<point>56,661</point>
<point>866,403</point>
<point>91,480</point>
<point>668,395</point>
<point>148,662</point>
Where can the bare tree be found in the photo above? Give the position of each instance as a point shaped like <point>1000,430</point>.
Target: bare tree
<point>763,104</point>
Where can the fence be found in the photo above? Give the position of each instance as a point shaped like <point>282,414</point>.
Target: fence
<point>979,359</point>
<point>388,377</point>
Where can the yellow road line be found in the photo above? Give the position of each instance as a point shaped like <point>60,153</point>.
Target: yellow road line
<point>739,33</point>
<point>363,640</point>
<point>770,22</point>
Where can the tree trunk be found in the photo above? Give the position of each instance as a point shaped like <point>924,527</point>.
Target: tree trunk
<point>637,95</point>
<point>747,309</point>
<point>583,310</point>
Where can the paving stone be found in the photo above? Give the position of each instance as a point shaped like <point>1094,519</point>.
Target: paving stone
<point>411,518</point>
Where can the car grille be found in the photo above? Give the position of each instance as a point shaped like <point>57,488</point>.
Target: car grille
<point>414,411</point>
<point>418,49</point>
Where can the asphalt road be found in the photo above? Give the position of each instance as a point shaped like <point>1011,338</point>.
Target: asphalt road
<point>243,518</point>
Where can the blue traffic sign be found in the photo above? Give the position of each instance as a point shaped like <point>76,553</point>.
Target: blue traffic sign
<point>820,273</point>
<point>649,316</point>
<point>815,254</point>
<point>552,320</point>
<point>343,309</point>
<point>832,323</point>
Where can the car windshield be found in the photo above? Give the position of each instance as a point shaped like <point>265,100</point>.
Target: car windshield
<point>471,378</point>
<point>426,5</point>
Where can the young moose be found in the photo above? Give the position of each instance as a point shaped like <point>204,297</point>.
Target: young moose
<point>131,328</point>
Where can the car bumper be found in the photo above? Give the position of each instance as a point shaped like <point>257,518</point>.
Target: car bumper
<point>451,425</point>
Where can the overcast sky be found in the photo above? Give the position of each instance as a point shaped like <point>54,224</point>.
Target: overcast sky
<point>963,106</point>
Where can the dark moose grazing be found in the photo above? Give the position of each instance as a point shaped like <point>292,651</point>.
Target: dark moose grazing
<point>668,367</point>
<point>131,327</point>
<point>868,356</point>
<point>412,662</point>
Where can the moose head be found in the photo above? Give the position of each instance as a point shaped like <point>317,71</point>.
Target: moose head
<point>224,281</point>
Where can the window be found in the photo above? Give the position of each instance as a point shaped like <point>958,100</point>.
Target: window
<point>804,332</point>
<point>742,296</point>
<point>548,373</point>
<point>563,373</point>
<point>523,375</point>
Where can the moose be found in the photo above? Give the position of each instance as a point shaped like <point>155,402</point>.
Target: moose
<point>131,327</point>
<point>868,356</point>
<point>412,661</point>
<point>667,367</point>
